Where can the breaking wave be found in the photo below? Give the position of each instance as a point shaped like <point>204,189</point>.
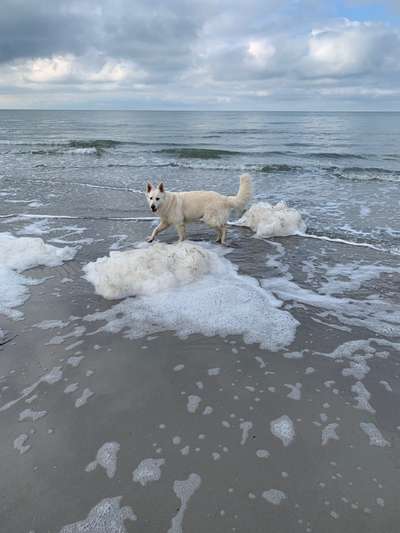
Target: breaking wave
<point>366,174</point>
<point>276,167</point>
<point>198,153</point>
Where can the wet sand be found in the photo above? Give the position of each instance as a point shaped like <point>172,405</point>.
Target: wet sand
<point>205,406</point>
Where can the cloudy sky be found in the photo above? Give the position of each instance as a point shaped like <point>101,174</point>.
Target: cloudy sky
<point>200,54</point>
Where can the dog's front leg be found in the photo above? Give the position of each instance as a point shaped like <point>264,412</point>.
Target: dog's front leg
<point>161,227</point>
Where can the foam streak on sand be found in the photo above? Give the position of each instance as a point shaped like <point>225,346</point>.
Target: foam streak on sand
<point>189,289</point>
<point>50,378</point>
<point>184,491</point>
<point>106,517</point>
<point>378,315</point>
<point>83,217</point>
<point>375,436</point>
<point>342,241</point>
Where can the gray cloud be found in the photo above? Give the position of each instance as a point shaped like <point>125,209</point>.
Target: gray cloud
<point>191,53</point>
<point>30,28</point>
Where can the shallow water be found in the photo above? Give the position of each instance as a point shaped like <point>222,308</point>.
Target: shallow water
<point>341,170</point>
<point>228,436</point>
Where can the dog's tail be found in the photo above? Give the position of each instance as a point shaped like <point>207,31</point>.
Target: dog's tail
<point>244,194</point>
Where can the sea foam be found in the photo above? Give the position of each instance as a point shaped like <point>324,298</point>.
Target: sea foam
<point>149,270</point>
<point>268,220</point>
<point>188,289</point>
<point>22,253</point>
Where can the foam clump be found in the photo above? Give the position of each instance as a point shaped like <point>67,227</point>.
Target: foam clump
<point>184,490</point>
<point>147,471</point>
<point>188,289</point>
<point>283,429</point>
<point>375,436</point>
<point>22,253</point>
<point>106,457</point>
<point>149,270</point>
<point>268,220</point>
<point>274,496</point>
<point>106,517</point>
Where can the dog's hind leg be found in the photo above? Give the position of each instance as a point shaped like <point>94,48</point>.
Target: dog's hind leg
<point>221,234</point>
<point>180,228</point>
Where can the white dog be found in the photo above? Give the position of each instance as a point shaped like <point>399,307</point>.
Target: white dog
<point>179,208</point>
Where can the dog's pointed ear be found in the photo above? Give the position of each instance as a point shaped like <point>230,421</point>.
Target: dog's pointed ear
<point>149,186</point>
<point>161,187</point>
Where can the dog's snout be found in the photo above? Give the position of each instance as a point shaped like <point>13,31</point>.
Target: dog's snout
<point>153,208</point>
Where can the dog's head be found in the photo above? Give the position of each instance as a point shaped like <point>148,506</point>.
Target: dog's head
<point>155,196</point>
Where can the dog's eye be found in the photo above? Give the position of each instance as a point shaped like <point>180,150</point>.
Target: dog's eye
<point>151,197</point>
<point>157,198</point>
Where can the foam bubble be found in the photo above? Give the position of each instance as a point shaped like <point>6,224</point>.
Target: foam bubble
<point>193,403</point>
<point>106,517</point>
<point>49,324</point>
<point>375,436</point>
<point>53,376</point>
<point>205,295</point>
<point>185,450</point>
<point>72,387</point>
<point>27,414</point>
<point>283,429</point>
<point>295,391</point>
<point>274,496</point>
<point>75,360</point>
<point>245,427</point>
<point>362,396</point>
<point>184,490</point>
<point>386,385</point>
<point>19,443</point>
<point>262,454</point>
<point>329,433</point>
<point>78,331</point>
<point>86,394</point>
<point>106,457</point>
<point>147,471</point>
<point>268,220</point>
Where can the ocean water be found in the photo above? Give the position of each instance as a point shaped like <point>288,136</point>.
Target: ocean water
<point>341,170</point>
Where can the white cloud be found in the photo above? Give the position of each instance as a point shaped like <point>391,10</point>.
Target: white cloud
<point>260,51</point>
<point>352,48</point>
<point>68,69</point>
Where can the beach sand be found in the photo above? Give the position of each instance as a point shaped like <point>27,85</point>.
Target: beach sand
<point>202,404</point>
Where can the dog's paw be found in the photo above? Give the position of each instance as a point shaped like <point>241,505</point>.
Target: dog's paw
<point>150,239</point>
